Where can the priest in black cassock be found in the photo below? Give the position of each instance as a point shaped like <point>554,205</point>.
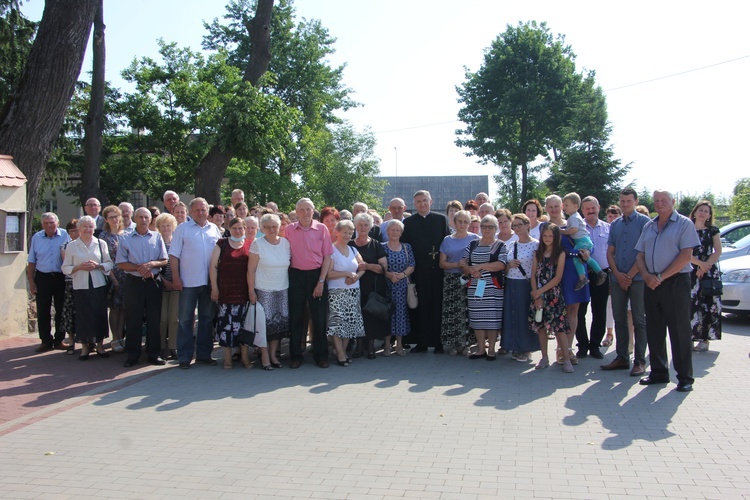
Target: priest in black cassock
<point>425,231</point>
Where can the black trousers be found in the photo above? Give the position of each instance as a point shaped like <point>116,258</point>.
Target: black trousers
<point>142,297</point>
<point>599,296</point>
<point>301,287</point>
<point>426,319</point>
<point>50,287</point>
<point>668,307</point>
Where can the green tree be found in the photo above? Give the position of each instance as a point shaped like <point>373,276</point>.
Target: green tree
<point>739,205</point>
<point>30,120</point>
<point>16,37</point>
<point>517,105</point>
<point>186,105</point>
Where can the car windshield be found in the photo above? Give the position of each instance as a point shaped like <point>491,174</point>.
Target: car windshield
<point>741,243</point>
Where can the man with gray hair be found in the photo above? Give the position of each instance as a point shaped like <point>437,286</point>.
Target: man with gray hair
<point>92,208</point>
<point>238,196</point>
<point>396,207</point>
<point>141,255</point>
<point>128,225</point>
<point>171,199</point>
<point>311,250</point>
<point>46,280</point>
<point>665,249</point>
<point>189,257</point>
<point>486,209</point>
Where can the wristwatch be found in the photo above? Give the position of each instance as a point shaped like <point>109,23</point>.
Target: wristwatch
<point>321,281</point>
<point>658,276</point>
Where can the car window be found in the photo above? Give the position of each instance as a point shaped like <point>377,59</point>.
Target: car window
<point>733,236</point>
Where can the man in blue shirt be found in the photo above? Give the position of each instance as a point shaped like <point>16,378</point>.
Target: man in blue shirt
<point>664,252</point>
<point>142,254</point>
<point>189,257</point>
<point>46,280</point>
<point>627,286</point>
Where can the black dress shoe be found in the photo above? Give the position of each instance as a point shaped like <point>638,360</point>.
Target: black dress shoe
<point>185,365</point>
<point>323,363</point>
<point>596,353</point>
<point>44,348</point>
<point>581,354</point>
<point>478,356</point>
<point>83,357</point>
<point>651,380</point>
<point>102,354</point>
<point>295,363</point>
<point>157,361</point>
<point>209,361</point>
<point>130,362</point>
<point>439,350</point>
<point>684,387</point>
<point>418,348</point>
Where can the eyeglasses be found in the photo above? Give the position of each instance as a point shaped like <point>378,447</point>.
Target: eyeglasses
<point>516,226</point>
<point>483,226</point>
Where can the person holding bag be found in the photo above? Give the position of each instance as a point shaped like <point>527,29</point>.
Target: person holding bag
<point>87,260</point>
<point>371,286</point>
<point>548,310</point>
<point>483,260</point>
<point>454,331</point>
<point>518,338</point>
<point>228,275</point>
<point>705,305</point>
<point>400,264</point>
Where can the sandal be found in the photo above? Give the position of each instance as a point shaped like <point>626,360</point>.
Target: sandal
<point>543,363</point>
<point>573,357</point>
<point>343,363</point>
<point>276,365</point>
<point>607,340</point>
<point>401,352</point>
<point>228,366</point>
<point>71,349</point>
<point>268,368</point>
<point>117,345</point>
<point>559,356</point>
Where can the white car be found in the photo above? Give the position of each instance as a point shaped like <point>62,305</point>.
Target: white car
<point>735,276</point>
<point>735,240</point>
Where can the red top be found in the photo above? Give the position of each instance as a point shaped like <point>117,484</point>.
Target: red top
<point>233,272</point>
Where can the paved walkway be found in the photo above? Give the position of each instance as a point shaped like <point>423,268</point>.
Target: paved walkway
<point>426,426</point>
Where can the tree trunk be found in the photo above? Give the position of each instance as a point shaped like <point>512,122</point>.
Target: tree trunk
<point>94,125</point>
<point>30,122</point>
<point>213,166</point>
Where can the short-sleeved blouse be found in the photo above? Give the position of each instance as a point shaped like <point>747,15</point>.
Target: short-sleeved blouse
<point>272,273</point>
<point>525,255</point>
<point>343,263</point>
<point>453,248</point>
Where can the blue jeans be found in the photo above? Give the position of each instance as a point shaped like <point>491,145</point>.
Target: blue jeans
<point>204,344</point>
<point>620,299</point>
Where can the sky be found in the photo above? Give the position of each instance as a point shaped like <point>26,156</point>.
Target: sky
<point>674,74</point>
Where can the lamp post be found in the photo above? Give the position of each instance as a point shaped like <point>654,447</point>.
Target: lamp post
<point>395,149</point>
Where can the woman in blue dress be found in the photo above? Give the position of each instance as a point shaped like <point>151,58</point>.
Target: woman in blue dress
<point>400,259</point>
<point>573,298</point>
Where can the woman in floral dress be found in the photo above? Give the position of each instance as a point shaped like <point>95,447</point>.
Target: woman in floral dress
<point>705,311</point>
<point>400,257</point>
<point>547,294</point>
<point>111,234</point>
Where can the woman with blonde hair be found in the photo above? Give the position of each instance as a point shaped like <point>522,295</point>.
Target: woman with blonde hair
<point>112,234</point>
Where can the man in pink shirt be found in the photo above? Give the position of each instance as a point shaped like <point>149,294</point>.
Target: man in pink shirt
<point>311,250</point>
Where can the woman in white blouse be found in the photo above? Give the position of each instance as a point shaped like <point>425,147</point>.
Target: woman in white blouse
<point>87,260</point>
<point>268,281</point>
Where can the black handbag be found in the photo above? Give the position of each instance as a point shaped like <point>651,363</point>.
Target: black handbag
<point>711,287</point>
<point>247,337</point>
<point>378,307</point>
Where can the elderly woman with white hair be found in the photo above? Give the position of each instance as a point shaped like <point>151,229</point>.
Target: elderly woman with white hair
<point>345,314</point>
<point>372,281</point>
<point>268,281</point>
<point>400,265</point>
<point>87,260</point>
